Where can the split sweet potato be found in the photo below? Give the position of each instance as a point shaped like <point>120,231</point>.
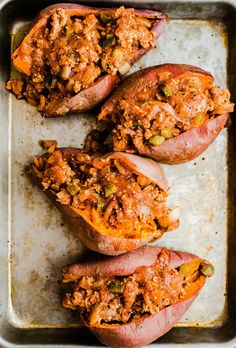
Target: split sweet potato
<point>73,55</point>
<point>114,203</point>
<point>170,113</point>
<point>133,299</point>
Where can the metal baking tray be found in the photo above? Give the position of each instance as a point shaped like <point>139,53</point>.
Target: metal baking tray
<point>35,242</point>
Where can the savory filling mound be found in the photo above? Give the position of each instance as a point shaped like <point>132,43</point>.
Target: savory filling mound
<point>160,112</point>
<point>70,53</point>
<point>120,300</point>
<point>107,193</point>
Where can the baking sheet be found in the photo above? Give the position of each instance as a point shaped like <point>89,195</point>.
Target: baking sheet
<point>36,242</point>
<point>42,244</point>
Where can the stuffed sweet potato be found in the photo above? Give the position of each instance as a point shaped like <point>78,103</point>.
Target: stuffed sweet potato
<point>131,300</point>
<point>114,203</point>
<point>170,113</point>
<point>72,55</point>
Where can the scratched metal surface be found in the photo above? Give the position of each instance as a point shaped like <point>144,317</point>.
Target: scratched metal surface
<point>41,245</point>
<point>40,242</point>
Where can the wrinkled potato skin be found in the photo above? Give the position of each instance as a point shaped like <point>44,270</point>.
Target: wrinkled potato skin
<point>146,330</point>
<point>187,145</point>
<point>89,234</point>
<point>92,96</point>
<point>142,332</point>
<point>125,264</point>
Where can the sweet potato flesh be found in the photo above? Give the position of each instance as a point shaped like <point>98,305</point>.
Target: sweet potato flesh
<point>69,54</point>
<point>107,193</point>
<point>161,111</point>
<point>120,300</point>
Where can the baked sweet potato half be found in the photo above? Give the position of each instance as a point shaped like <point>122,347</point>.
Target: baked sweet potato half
<point>133,299</point>
<point>170,113</point>
<point>114,203</point>
<point>73,55</point>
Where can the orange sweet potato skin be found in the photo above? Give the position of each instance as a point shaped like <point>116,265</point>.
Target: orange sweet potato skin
<point>148,329</point>
<point>92,96</point>
<point>187,145</point>
<point>89,234</point>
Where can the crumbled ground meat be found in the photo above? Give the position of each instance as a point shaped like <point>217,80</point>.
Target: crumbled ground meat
<point>147,291</point>
<point>17,87</point>
<point>70,53</point>
<point>107,193</point>
<point>160,113</point>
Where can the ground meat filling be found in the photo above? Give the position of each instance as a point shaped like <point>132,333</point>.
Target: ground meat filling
<point>112,300</point>
<point>159,113</point>
<point>107,193</point>
<point>71,53</point>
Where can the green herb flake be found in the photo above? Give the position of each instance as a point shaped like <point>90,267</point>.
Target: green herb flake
<point>109,41</point>
<point>116,287</point>
<point>73,189</point>
<point>110,190</point>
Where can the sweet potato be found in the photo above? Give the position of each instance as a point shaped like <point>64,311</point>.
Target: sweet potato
<point>170,113</point>
<point>114,203</point>
<point>73,88</point>
<point>145,266</point>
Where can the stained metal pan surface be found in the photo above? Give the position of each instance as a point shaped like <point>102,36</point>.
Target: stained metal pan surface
<point>35,242</point>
